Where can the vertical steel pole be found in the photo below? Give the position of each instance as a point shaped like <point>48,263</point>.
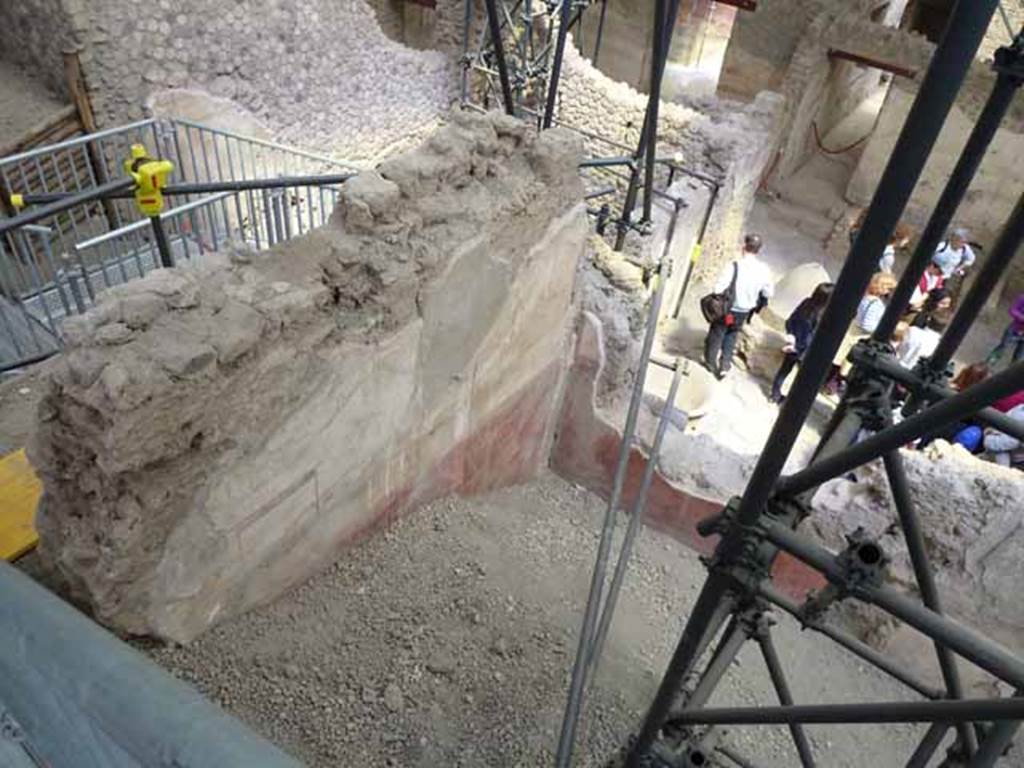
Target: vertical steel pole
<point>645,133</point>
<point>984,131</point>
<point>660,43</point>
<point>556,66</point>
<point>162,245</point>
<point>494,24</point>
<point>600,31</point>
<point>697,248</point>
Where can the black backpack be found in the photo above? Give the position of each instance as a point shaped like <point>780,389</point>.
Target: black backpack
<point>715,306</point>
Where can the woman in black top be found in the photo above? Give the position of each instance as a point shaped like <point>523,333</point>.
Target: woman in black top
<point>801,325</point>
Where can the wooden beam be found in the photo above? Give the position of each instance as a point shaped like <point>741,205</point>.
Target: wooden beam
<point>83,105</point>
<point>743,5</point>
<point>424,3</point>
<point>37,135</point>
<point>866,61</point>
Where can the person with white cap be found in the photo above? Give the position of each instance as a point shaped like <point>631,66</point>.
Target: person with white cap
<point>954,256</point>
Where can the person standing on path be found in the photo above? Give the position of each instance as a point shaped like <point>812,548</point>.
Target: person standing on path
<point>1013,336</point>
<point>801,325</point>
<point>954,257</point>
<point>752,290</point>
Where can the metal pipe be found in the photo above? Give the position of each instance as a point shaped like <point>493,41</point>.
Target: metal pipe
<point>857,647</point>
<point>875,712</point>
<point>634,177</point>
<point>660,45</point>
<point>635,520</point>
<point>228,185</point>
<point>918,551</point>
<point>729,646</point>
<point>996,107</point>
<point>494,25</point>
<point>567,737</point>
<point>959,406</point>
<point>950,64</point>
<point>771,660</point>
<point>556,66</point>
<point>64,204</point>
<point>162,246</point>
<point>893,370</point>
<point>932,740</point>
<point>979,650</point>
<point>80,702</point>
<point>995,743</point>
<point>698,247</point>
<point>737,758</point>
<point>605,162</point>
<point>600,31</point>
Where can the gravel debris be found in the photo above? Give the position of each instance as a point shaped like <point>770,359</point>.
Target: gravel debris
<point>448,640</point>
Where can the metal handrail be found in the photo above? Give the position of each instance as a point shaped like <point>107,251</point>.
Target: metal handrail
<point>75,141</point>
<point>264,143</point>
<point>144,223</point>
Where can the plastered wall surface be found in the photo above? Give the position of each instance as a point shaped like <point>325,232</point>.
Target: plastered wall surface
<point>214,437</point>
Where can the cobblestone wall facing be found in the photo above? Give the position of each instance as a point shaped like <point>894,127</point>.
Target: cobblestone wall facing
<point>319,74</point>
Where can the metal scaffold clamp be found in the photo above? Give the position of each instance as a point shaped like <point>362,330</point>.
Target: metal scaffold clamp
<point>1008,61</point>
<point>150,177</point>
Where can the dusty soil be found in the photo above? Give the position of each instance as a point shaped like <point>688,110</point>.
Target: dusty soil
<point>19,399</point>
<point>25,102</point>
<point>448,641</point>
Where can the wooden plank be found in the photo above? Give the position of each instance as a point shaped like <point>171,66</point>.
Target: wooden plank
<point>867,61</point>
<point>19,495</point>
<point>80,98</point>
<point>36,136</point>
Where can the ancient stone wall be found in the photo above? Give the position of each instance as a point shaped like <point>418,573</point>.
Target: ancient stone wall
<point>820,90</point>
<point>216,435</point>
<point>317,74</point>
<point>762,45</point>
<point>995,188</point>
<point>34,33</point>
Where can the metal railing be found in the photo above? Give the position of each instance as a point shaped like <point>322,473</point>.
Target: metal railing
<point>50,272</point>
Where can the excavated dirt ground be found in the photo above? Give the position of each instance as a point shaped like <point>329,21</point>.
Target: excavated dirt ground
<point>447,641</point>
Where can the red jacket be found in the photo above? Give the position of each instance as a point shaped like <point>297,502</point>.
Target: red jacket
<point>1010,402</point>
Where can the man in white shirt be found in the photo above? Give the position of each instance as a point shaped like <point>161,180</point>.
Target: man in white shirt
<point>751,294</point>
<point>955,256</point>
<point>921,342</point>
